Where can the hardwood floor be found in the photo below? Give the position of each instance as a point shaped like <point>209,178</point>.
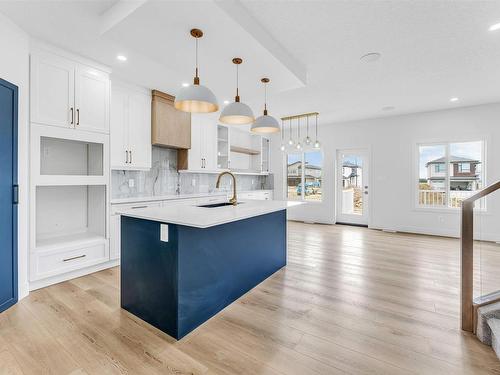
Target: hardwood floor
<point>351,300</point>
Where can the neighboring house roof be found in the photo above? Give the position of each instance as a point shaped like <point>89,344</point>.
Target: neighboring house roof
<point>308,166</point>
<point>352,175</point>
<point>348,164</point>
<point>454,159</point>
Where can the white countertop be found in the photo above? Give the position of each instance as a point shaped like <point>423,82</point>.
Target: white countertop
<point>176,196</point>
<point>203,217</point>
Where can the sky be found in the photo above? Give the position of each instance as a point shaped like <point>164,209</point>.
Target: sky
<point>471,150</point>
<point>312,157</point>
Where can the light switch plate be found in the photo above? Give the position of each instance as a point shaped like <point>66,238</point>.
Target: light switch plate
<point>164,232</point>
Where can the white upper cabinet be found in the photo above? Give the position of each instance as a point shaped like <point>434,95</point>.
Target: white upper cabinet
<point>91,99</point>
<point>203,152</point>
<point>52,90</point>
<point>67,93</point>
<point>130,127</point>
<point>140,130</point>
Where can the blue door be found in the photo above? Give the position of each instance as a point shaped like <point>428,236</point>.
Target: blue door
<point>8,195</point>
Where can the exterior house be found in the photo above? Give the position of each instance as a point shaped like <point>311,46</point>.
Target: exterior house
<point>350,175</point>
<point>464,173</point>
<point>312,174</point>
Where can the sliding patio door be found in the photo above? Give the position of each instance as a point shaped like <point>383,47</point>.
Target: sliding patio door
<point>353,187</point>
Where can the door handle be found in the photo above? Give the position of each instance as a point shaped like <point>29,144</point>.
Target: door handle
<point>78,116</point>
<point>15,194</point>
<point>72,115</point>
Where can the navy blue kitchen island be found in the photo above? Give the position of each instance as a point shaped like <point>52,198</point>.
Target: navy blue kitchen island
<point>176,276</point>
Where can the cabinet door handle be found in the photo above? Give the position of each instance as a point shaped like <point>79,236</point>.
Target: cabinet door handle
<point>133,208</point>
<point>72,115</point>
<point>73,258</point>
<point>130,153</point>
<point>126,156</point>
<point>78,116</point>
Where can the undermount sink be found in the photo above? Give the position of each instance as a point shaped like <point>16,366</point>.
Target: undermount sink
<point>214,205</point>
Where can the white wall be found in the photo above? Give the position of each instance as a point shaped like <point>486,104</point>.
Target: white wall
<point>392,142</point>
<point>14,67</point>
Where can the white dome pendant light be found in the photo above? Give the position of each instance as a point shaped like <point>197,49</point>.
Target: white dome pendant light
<point>265,123</point>
<point>317,144</point>
<point>237,113</point>
<point>196,98</point>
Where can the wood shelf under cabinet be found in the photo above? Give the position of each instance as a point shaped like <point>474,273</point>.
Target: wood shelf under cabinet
<point>244,150</point>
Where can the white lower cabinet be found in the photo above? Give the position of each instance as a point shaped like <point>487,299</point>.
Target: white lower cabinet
<point>56,262</point>
<point>114,225</point>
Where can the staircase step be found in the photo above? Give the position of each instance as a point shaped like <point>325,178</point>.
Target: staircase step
<point>485,313</point>
<point>494,325</point>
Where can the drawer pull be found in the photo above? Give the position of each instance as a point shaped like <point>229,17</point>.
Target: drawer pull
<point>133,208</point>
<point>73,258</point>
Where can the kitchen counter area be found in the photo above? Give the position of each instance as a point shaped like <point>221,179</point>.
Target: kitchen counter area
<point>204,216</point>
<point>182,264</point>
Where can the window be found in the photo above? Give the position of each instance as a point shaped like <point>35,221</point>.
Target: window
<point>464,167</point>
<point>304,176</point>
<point>440,167</point>
<point>294,176</point>
<point>440,186</point>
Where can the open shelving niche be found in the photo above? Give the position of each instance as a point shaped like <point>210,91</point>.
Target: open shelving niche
<point>70,183</point>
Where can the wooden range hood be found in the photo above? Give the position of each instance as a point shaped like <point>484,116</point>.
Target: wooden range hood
<point>170,128</point>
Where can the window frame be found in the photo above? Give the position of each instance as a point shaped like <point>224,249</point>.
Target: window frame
<point>447,146</point>
<point>302,154</point>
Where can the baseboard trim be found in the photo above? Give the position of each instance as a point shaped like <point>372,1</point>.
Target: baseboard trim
<point>34,285</point>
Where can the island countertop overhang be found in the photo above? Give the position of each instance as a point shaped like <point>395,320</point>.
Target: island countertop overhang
<point>204,217</point>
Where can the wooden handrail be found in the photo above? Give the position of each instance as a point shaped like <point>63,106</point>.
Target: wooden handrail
<point>467,256</point>
<point>484,192</point>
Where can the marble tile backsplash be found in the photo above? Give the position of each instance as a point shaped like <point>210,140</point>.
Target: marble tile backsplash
<point>163,179</point>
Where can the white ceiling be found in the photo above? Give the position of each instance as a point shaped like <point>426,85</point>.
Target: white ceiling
<point>431,50</point>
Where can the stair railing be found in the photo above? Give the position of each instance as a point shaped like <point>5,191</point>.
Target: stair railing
<point>467,256</point>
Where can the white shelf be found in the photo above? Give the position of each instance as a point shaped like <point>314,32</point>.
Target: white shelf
<point>69,180</point>
<point>83,238</point>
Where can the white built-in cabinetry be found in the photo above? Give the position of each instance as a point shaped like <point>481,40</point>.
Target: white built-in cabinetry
<point>67,93</point>
<point>69,166</point>
<point>202,155</point>
<point>130,127</point>
<point>216,147</point>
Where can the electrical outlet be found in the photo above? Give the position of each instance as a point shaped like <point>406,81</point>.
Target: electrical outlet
<point>131,183</point>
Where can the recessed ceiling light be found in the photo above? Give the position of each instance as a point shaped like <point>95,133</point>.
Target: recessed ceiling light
<point>226,101</point>
<point>495,27</point>
<point>454,100</point>
<point>388,108</point>
<point>370,57</point>
<point>121,58</point>
<point>184,84</point>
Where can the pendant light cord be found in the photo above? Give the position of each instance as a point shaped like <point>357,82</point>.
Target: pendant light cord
<point>307,126</point>
<point>196,78</point>
<point>237,98</point>
<point>265,98</point>
<point>298,129</point>
<point>282,131</point>
<point>316,127</point>
<point>290,128</point>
